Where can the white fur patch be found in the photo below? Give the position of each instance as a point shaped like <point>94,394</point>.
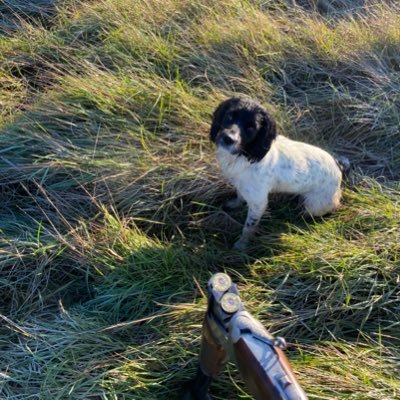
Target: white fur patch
<point>288,167</point>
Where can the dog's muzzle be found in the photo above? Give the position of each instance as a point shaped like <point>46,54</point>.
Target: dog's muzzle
<point>229,139</point>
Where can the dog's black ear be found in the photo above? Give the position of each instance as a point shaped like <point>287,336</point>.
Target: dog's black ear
<point>218,116</point>
<point>259,147</point>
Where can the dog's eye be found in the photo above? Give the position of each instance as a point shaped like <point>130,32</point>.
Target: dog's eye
<point>231,116</point>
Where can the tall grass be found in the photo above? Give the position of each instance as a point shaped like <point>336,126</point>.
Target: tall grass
<point>111,221</point>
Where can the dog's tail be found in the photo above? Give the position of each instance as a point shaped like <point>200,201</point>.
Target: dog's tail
<point>344,164</point>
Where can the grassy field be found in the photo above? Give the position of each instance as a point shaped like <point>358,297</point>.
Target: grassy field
<point>111,220</point>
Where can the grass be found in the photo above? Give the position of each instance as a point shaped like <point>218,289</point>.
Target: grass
<point>111,220</point>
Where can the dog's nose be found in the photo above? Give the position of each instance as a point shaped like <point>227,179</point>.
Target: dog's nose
<point>229,136</point>
<point>227,140</point>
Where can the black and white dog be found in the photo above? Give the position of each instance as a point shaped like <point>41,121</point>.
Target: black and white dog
<point>257,161</point>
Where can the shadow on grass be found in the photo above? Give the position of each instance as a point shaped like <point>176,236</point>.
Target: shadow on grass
<point>143,322</point>
<point>336,10</point>
<point>13,13</point>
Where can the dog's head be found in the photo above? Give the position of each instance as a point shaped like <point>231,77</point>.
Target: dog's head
<point>243,127</point>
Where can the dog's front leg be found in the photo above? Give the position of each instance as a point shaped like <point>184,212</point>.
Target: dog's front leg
<point>254,215</point>
<point>236,202</point>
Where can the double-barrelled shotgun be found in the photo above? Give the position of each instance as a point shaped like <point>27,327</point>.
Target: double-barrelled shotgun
<point>230,333</point>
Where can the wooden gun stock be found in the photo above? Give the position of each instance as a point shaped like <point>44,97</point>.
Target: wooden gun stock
<point>213,356</point>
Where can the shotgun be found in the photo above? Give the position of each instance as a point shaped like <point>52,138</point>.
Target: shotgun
<point>230,333</point>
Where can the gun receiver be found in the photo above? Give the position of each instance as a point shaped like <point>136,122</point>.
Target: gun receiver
<point>230,333</point>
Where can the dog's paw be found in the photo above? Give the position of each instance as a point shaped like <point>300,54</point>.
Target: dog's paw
<point>241,244</point>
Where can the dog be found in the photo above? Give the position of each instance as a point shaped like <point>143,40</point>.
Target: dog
<point>257,161</point>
